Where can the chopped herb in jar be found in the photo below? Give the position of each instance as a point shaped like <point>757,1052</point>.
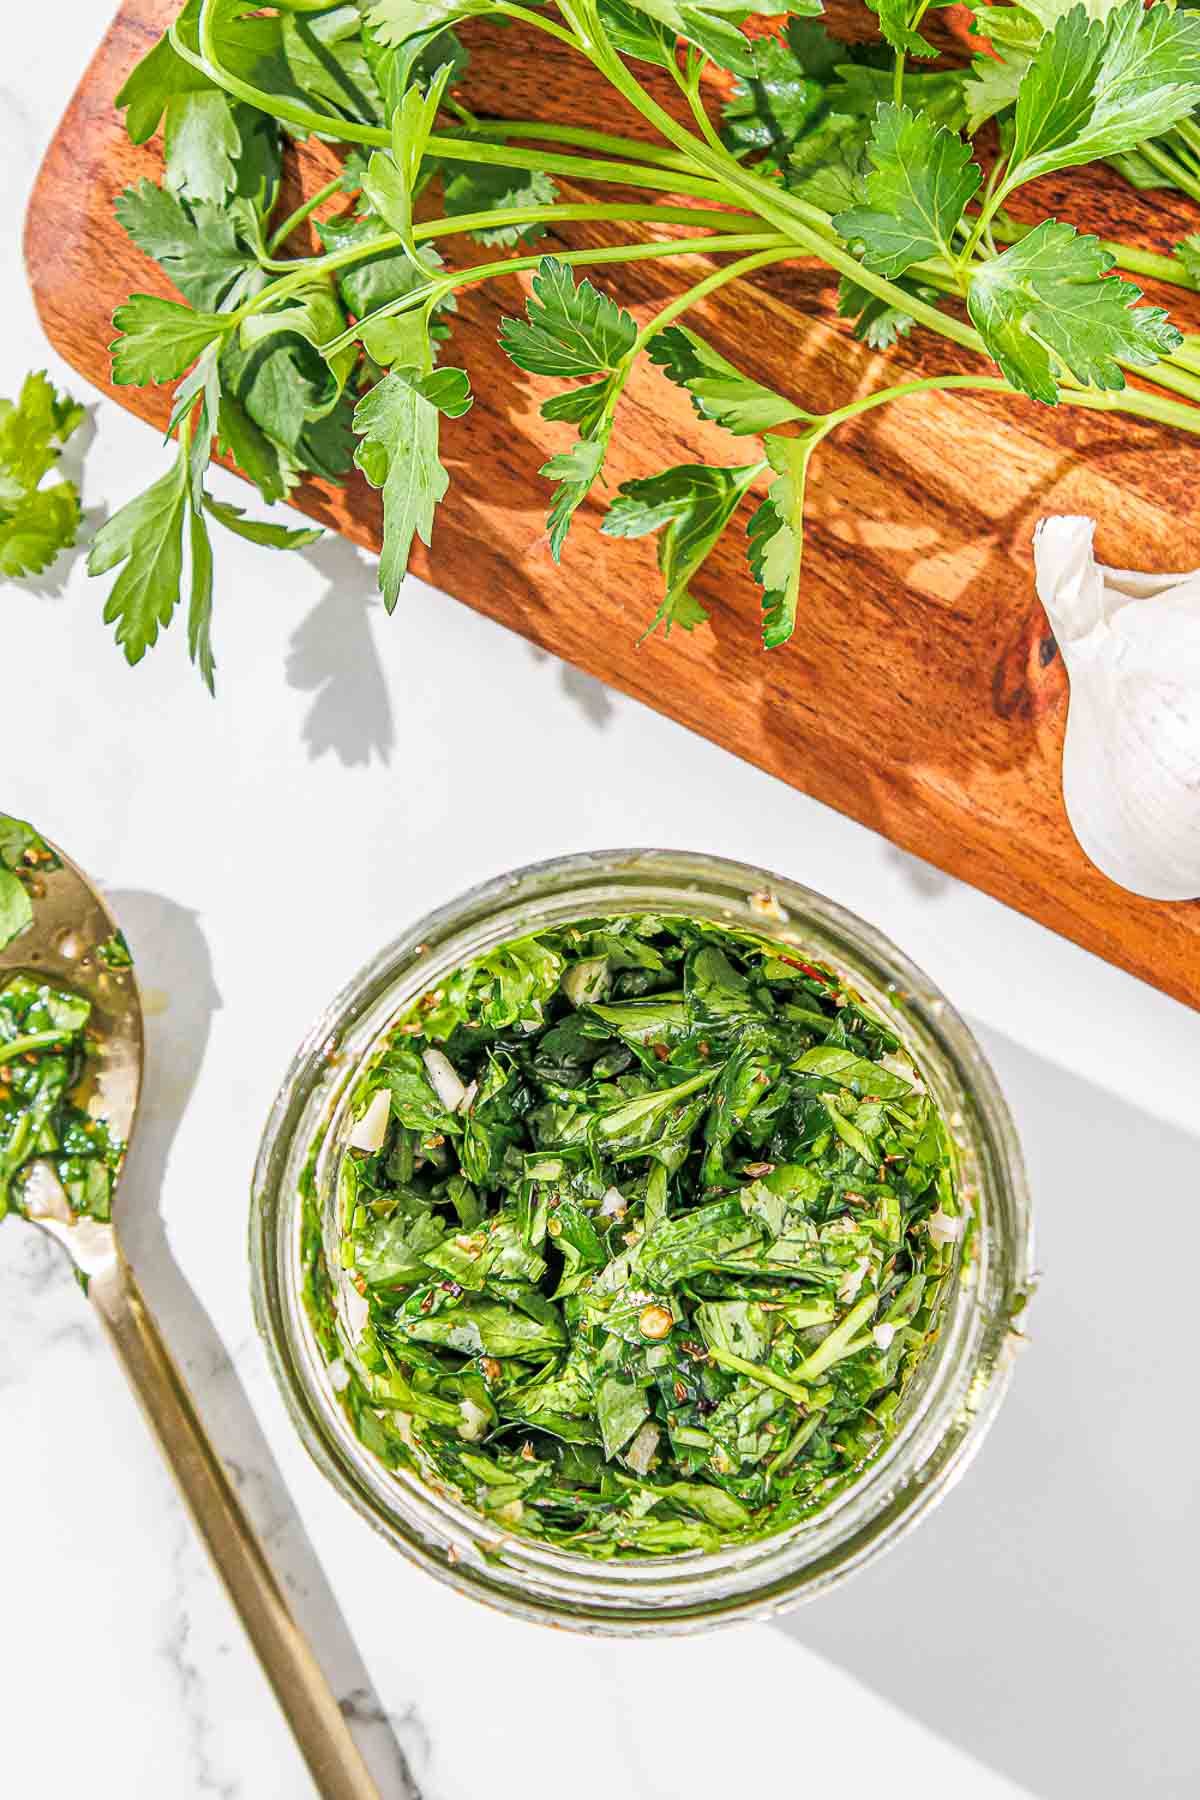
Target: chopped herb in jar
<point>644,1229</point>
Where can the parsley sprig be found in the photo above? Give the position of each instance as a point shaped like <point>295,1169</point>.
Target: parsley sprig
<point>859,156</point>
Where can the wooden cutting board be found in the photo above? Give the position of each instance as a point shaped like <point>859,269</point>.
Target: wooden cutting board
<point>922,693</point>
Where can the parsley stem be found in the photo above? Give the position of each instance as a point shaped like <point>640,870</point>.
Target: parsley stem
<point>685,301</point>
<point>435,291</point>
<point>759,1372</point>
<point>1177,175</point>
<point>715,218</point>
<point>806,225</point>
<point>36,1040</point>
<point>636,149</point>
<point>302,212</point>
<point>1138,402</point>
<point>582,168</point>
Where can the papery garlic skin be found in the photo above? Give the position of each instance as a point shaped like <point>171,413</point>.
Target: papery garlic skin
<point>1131,759</point>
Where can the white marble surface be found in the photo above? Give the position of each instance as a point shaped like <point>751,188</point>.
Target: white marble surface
<point>1035,1637</point>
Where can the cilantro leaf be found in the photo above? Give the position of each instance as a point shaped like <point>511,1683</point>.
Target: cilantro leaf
<point>575,470</point>
<point>486,187</point>
<point>922,177</point>
<point>160,339</point>
<point>1044,305</point>
<point>199,250</point>
<point>877,323</point>
<point>771,108</point>
<point>36,523</point>
<point>397,423</point>
<point>694,503</point>
<point>895,18</point>
<point>145,540</point>
<point>1095,87</point>
<point>776,534</point>
<point>719,391</point>
<point>571,330</point>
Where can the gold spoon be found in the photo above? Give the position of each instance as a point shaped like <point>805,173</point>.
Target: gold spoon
<point>70,923</point>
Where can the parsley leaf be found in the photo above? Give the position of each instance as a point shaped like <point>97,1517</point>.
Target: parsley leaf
<point>571,330</point>
<point>694,503</point>
<point>36,523</point>
<point>199,251</point>
<point>1098,86</point>
<point>826,165</point>
<point>161,338</point>
<point>328,60</point>
<point>895,18</point>
<point>261,531</point>
<point>771,108</point>
<point>877,323</point>
<point>1044,305</point>
<point>397,423</point>
<point>396,21</point>
<point>156,80</point>
<point>202,145</point>
<point>575,470</point>
<point>145,540</point>
<point>486,187</point>
<point>922,177</point>
<point>776,534</point>
<point>719,391</point>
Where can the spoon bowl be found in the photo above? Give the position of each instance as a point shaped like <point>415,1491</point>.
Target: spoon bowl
<point>66,946</point>
<point>74,942</point>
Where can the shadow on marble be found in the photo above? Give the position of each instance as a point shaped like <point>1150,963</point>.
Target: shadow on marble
<point>1044,1619</point>
<point>332,656</point>
<point>590,696</point>
<point>173,961</point>
<point>926,882</point>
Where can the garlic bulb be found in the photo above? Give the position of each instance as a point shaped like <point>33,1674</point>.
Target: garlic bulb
<point>1131,759</point>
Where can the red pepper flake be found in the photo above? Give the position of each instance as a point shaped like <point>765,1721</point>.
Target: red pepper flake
<point>703,1048</point>
<point>680,1392</point>
<point>428,1300</point>
<point>661,1051</point>
<point>794,963</point>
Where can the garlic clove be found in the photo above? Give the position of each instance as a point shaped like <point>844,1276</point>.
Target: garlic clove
<point>1130,643</point>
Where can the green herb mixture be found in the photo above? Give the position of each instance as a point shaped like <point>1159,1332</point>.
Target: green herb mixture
<point>312,357</point>
<point>645,1227</point>
<point>44,1056</point>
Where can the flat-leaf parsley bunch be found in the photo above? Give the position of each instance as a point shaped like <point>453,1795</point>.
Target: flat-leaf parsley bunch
<point>849,155</point>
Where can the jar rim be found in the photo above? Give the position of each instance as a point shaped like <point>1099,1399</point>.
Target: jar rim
<point>964,1376</point>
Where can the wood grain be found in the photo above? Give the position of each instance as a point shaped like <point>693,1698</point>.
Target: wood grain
<point>922,694</point>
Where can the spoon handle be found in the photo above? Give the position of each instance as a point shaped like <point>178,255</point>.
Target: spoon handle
<point>300,1686</point>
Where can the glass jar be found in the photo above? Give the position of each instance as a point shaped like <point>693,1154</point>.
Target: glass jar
<point>947,1407</point>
